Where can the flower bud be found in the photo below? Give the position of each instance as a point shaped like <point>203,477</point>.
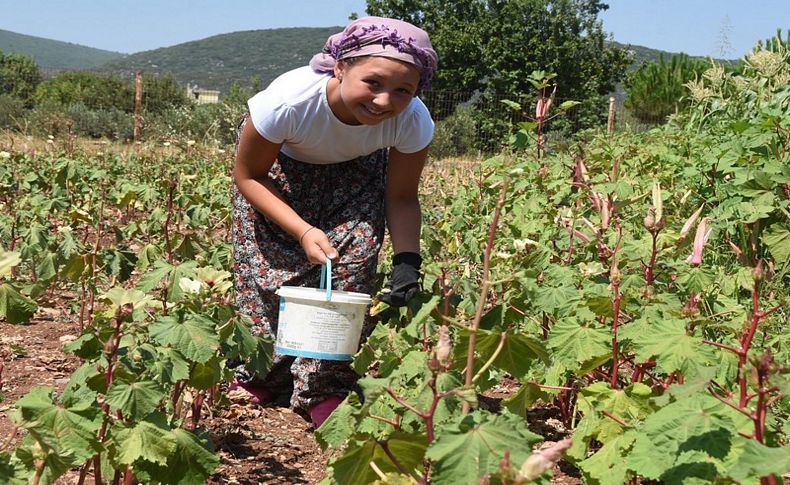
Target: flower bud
<point>758,274</point>
<point>444,349</point>
<point>650,219</point>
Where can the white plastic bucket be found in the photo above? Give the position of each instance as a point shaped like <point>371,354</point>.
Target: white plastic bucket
<point>320,323</point>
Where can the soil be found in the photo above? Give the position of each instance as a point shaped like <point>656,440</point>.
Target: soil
<point>255,444</point>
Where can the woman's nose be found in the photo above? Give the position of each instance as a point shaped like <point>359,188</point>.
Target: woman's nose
<point>382,99</point>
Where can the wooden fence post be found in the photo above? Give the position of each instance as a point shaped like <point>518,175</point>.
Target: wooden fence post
<point>138,105</point>
<point>610,124</point>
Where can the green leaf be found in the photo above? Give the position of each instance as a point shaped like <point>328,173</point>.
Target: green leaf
<point>607,466</point>
<point>511,104</point>
<point>45,270</point>
<point>777,238</point>
<point>70,432</point>
<point>528,394</point>
<point>353,467</point>
<point>204,375</point>
<point>12,471</point>
<point>473,446</point>
<point>192,462</point>
<point>338,427</point>
<point>569,104</point>
<point>142,441</point>
<point>194,336</point>
<point>552,298</point>
<point>15,307</point>
<point>134,399</point>
<point>699,423</point>
<point>631,405</point>
<point>668,343</point>
<point>150,280</point>
<point>573,343</point>
<point>8,260</point>
<point>758,460</point>
<point>171,365</point>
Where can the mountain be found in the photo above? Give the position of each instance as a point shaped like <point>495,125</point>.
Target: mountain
<point>214,62</point>
<point>217,62</point>
<point>54,54</point>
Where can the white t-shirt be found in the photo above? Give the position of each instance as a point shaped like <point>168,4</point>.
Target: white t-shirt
<point>294,111</point>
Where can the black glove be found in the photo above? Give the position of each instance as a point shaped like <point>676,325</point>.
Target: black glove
<point>404,280</point>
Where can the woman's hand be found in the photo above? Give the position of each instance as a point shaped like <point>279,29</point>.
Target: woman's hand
<point>316,246</point>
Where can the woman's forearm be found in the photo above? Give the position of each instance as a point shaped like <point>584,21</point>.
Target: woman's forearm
<point>263,196</point>
<point>404,218</point>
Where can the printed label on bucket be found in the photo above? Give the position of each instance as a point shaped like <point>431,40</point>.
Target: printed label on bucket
<point>319,330</point>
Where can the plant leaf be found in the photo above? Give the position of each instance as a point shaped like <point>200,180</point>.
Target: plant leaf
<point>134,399</point>
<point>15,307</point>
<point>69,432</point>
<point>777,238</point>
<point>193,335</point>
<point>473,446</point>
<point>142,441</point>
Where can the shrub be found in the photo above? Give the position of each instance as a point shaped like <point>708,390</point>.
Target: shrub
<point>101,123</point>
<point>12,110</point>
<point>455,135</point>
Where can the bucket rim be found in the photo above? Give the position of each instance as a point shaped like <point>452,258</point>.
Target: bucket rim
<point>319,295</point>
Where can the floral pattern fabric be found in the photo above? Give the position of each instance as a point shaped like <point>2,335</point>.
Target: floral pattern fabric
<point>346,201</point>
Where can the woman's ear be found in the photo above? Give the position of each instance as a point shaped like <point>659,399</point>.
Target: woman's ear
<point>339,68</point>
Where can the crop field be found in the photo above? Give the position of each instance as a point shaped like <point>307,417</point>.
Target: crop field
<point>615,312</point>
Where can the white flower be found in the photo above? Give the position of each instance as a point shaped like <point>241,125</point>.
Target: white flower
<point>190,143</point>
<point>521,244</point>
<point>5,155</point>
<point>189,285</point>
<point>167,143</point>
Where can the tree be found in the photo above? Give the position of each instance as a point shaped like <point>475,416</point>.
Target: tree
<point>656,89</point>
<point>93,90</point>
<point>491,46</point>
<point>19,76</point>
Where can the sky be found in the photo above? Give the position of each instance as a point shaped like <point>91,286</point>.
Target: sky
<point>718,28</point>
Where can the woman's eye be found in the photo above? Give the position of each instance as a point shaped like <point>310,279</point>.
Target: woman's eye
<point>371,82</point>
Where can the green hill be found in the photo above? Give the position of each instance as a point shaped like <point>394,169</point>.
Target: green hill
<point>216,62</point>
<point>54,54</point>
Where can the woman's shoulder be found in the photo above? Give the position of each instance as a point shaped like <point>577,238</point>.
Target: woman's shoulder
<point>296,85</point>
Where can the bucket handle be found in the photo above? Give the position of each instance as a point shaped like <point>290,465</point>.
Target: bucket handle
<point>326,278</point>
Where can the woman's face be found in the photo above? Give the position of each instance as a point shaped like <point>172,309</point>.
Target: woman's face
<point>372,89</point>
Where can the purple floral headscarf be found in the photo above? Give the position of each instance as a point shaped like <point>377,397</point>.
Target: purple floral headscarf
<point>384,37</point>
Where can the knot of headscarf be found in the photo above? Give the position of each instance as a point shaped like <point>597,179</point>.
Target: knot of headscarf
<point>383,37</point>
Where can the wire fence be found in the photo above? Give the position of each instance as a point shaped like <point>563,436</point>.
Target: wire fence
<point>475,123</point>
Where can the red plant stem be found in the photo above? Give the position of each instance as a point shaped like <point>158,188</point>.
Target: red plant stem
<point>197,405</point>
<point>614,418</point>
<point>726,402</point>
<point>395,423</point>
<point>405,404</point>
<point>128,476</point>
<point>649,277</point>
<point>166,228</point>
<point>385,446</point>
<point>746,342</point>
<point>615,322</point>
<point>475,324</point>
<point>722,346</point>
<point>543,386</point>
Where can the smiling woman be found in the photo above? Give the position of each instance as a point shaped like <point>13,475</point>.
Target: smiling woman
<point>328,156</point>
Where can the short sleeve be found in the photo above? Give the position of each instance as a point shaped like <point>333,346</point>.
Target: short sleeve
<point>415,130</point>
<point>272,118</point>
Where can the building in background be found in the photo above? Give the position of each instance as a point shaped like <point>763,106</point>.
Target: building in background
<point>202,96</point>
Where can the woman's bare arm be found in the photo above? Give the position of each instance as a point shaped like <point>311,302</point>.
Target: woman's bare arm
<point>254,159</point>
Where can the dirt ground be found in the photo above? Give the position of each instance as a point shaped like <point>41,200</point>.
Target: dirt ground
<point>255,444</point>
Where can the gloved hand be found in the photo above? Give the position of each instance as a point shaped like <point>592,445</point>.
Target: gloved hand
<point>404,280</point>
